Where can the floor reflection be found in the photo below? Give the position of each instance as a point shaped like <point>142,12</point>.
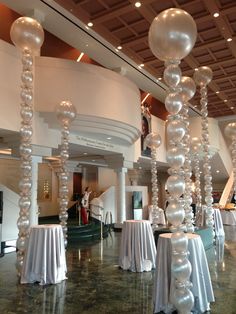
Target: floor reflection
<point>96,285</point>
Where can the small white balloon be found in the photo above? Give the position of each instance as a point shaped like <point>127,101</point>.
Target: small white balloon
<point>153,140</point>
<point>188,88</point>
<point>202,76</point>
<point>66,112</point>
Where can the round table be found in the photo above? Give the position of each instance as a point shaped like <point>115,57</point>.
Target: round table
<point>228,217</point>
<point>137,250</point>
<point>200,276</point>
<point>218,224</point>
<point>44,261</point>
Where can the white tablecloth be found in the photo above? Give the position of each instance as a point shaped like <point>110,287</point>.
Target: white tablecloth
<point>44,260</point>
<point>219,228</point>
<point>200,276</point>
<point>138,250</point>
<point>228,217</point>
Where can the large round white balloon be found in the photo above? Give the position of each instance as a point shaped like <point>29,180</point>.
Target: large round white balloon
<point>27,34</point>
<point>175,213</point>
<point>172,34</point>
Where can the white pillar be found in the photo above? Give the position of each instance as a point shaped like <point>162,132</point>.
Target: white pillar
<point>120,196</point>
<point>34,191</point>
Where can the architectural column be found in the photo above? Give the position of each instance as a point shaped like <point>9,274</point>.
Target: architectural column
<point>34,191</point>
<point>120,196</point>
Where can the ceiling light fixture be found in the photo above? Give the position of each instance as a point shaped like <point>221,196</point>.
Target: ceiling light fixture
<point>216,14</point>
<point>90,24</point>
<point>142,65</point>
<point>80,57</point>
<point>225,100</point>
<point>119,47</point>
<point>93,160</point>
<point>138,4</point>
<point>231,108</point>
<point>108,138</point>
<point>159,78</point>
<point>145,98</point>
<point>229,39</point>
<point>217,171</point>
<point>85,153</point>
<point>217,92</point>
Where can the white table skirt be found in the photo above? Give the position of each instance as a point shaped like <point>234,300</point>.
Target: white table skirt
<point>138,250</point>
<point>219,229</point>
<point>44,260</point>
<point>200,276</point>
<point>228,217</point>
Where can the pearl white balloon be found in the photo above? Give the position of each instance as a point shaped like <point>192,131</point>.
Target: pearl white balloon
<point>230,130</point>
<point>27,34</point>
<point>173,103</point>
<point>66,112</point>
<point>175,157</point>
<point>172,75</point>
<point>153,140</point>
<point>183,300</point>
<point>181,267</point>
<point>179,242</point>
<point>175,213</point>
<point>202,76</point>
<point>175,185</point>
<point>196,144</point>
<point>175,130</point>
<point>188,88</point>
<point>172,34</point>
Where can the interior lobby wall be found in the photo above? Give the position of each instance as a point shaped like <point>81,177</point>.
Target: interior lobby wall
<point>10,174</point>
<point>106,178</point>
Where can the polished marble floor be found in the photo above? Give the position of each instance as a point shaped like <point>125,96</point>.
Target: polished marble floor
<point>96,285</point>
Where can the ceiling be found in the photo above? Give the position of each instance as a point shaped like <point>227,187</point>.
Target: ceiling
<point>122,24</point>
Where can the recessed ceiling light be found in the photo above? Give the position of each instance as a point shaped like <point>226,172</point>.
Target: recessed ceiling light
<point>93,160</point>
<point>117,50</point>
<point>142,65</point>
<point>108,138</point>
<point>138,4</point>
<point>85,153</point>
<point>119,47</point>
<point>217,92</point>
<point>216,14</point>
<point>159,78</point>
<point>229,39</point>
<point>217,171</point>
<point>231,108</point>
<point>225,100</point>
<point>140,167</point>
<point>90,24</point>
<point>80,57</point>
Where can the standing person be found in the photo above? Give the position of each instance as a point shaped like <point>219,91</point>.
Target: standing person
<point>85,205</point>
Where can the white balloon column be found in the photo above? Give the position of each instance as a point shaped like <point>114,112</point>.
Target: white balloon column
<point>188,89</point>
<point>203,77</point>
<point>66,113</point>
<point>27,35</point>
<point>230,131</point>
<point>153,141</point>
<point>196,148</point>
<point>172,36</point>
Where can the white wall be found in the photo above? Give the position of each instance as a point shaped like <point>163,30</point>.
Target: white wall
<point>106,178</point>
<point>10,214</point>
